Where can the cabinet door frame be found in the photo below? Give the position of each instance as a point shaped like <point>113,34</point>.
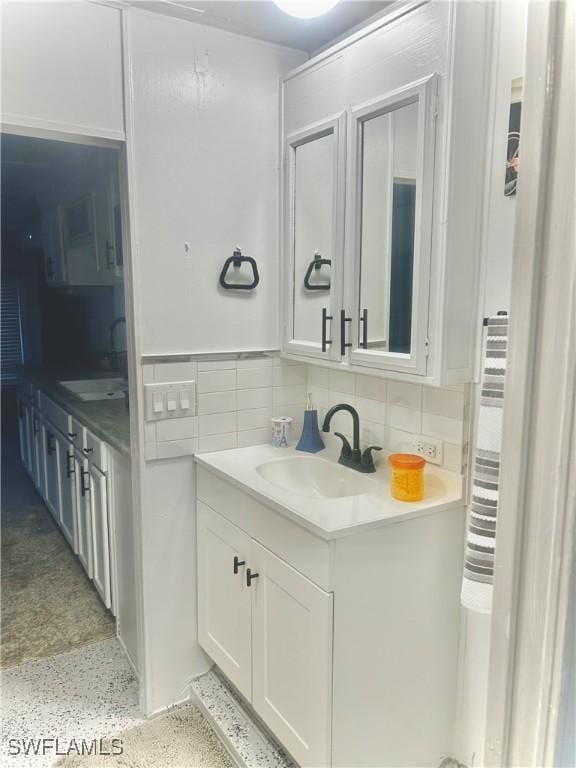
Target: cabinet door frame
<point>425,92</point>
<point>336,126</point>
<point>236,663</point>
<point>312,748</point>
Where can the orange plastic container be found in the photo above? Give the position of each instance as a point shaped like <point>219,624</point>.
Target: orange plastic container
<point>407,476</point>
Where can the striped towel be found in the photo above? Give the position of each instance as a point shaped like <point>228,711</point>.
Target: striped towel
<point>481,539</point>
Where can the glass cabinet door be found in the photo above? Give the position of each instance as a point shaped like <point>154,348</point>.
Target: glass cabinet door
<point>314,223</point>
<point>390,203</point>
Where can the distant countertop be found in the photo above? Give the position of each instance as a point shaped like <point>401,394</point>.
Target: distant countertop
<point>108,419</point>
<point>331,518</point>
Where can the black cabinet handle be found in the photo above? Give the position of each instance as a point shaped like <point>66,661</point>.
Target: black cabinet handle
<point>85,488</point>
<point>343,321</point>
<point>70,469</point>
<point>72,435</point>
<point>325,317</point>
<point>364,321</point>
<point>50,447</point>
<point>21,409</point>
<point>35,425</point>
<point>238,563</point>
<point>250,577</point>
<point>86,451</point>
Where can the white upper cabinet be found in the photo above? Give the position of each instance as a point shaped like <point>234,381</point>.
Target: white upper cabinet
<point>382,194</point>
<point>315,241</point>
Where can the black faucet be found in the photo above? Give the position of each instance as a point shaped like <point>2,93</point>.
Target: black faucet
<point>351,456</point>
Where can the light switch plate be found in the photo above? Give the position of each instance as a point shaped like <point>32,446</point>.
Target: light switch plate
<point>173,396</point>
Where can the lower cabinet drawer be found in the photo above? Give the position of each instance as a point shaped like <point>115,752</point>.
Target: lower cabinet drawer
<point>269,629</point>
<point>53,413</point>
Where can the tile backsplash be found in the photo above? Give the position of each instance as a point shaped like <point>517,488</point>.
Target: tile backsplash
<point>392,412</point>
<point>236,400</point>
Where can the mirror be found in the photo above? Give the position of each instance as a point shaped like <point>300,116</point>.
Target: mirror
<point>313,258</point>
<point>388,197</point>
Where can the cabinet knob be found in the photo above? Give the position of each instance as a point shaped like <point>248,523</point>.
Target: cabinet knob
<point>238,563</point>
<point>250,576</point>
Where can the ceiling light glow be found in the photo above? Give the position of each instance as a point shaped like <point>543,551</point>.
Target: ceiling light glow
<point>306,9</point>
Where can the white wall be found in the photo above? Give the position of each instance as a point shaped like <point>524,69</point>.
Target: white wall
<point>203,138</point>
<point>205,114</point>
<point>62,67</point>
<point>508,58</point>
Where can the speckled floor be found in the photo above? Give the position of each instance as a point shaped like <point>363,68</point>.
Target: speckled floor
<point>89,693</point>
<point>49,606</point>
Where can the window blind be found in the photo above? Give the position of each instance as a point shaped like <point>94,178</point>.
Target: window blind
<point>11,332</point>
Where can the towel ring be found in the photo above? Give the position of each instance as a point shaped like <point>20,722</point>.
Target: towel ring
<point>316,263</point>
<point>236,260</point>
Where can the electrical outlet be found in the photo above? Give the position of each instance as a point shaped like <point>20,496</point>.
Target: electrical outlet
<point>429,448</point>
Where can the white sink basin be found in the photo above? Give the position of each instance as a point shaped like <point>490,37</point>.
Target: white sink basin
<point>316,478</point>
<point>96,389</point>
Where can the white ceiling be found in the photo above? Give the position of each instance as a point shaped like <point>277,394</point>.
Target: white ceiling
<point>264,20</point>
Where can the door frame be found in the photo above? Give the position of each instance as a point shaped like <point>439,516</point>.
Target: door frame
<point>537,507</point>
<point>71,134</point>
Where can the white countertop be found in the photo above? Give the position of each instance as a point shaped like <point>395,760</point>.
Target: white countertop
<point>332,518</point>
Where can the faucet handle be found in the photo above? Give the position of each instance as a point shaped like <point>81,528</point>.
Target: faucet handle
<point>346,452</point>
<point>368,460</point>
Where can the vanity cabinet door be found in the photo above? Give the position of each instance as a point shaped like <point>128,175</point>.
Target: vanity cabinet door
<point>67,472</point>
<point>83,512</point>
<point>100,534</point>
<point>314,238</point>
<point>292,622</point>
<point>24,423</point>
<point>224,610</point>
<point>51,469</point>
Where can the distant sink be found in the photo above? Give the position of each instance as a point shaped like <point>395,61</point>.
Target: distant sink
<point>316,478</point>
<point>97,389</point>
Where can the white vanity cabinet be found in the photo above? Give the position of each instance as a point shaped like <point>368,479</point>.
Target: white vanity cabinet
<point>269,629</point>
<point>345,644</point>
<point>383,179</point>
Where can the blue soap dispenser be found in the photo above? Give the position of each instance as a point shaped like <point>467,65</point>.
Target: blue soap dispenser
<point>310,440</point>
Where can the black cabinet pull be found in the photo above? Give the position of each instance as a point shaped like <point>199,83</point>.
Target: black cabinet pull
<point>72,435</point>
<point>21,409</point>
<point>343,342</point>
<point>364,321</point>
<point>35,425</point>
<point>250,577</point>
<point>325,317</point>
<point>70,469</point>
<point>86,451</point>
<point>85,488</point>
<point>50,447</point>
<point>238,563</point>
